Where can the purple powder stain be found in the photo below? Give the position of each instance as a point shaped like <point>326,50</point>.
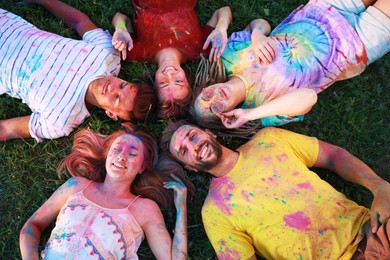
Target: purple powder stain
<point>245,195</point>
<point>282,157</point>
<point>297,220</point>
<point>222,195</point>
<point>295,173</point>
<point>341,205</point>
<point>306,186</point>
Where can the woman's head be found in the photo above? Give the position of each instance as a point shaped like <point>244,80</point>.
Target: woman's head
<point>91,150</point>
<point>173,91</point>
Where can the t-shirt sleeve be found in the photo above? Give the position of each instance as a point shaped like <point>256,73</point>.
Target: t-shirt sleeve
<point>100,38</point>
<point>306,148</point>
<point>41,129</point>
<point>228,242</point>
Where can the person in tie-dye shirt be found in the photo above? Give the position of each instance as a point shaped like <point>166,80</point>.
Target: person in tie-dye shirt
<point>277,78</point>
<point>264,199</point>
<point>110,204</point>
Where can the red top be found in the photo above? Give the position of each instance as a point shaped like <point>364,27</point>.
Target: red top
<point>169,23</point>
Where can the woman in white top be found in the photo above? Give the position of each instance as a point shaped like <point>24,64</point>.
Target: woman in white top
<point>110,204</point>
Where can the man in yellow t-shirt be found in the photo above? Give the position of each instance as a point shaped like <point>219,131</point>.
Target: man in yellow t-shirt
<point>264,200</point>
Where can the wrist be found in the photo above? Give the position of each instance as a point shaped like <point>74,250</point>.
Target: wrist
<point>120,25</point>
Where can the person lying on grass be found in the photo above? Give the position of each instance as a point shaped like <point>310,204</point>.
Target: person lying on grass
<point>62,79</point>
<point>264,199</point>
<point>110,204</point>
<point>168,33</point>
<point>276,78</point>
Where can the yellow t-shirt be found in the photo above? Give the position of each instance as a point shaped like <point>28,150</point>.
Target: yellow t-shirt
<point>272,205</point>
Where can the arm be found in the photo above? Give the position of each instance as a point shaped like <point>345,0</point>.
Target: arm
<point>180,243</point>
<point>43,217</point>
<point>220,20</point>
<point>294,103</point>
<point>352,169</point>
<point>263,46</point>
<point>122,38</point>
<point>71,16</point>
<point>15,128</point>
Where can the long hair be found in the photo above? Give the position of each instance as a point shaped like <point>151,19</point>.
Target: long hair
<point>145,103</point>
<point>173,108</point>
<point>209,73</point>
<point>89,154</point>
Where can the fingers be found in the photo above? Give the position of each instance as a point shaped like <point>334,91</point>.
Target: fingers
<point>206,44</point>
<point>124,54</point>
<point>374,222</point>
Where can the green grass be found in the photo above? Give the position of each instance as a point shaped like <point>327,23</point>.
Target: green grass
<point>354,114</point>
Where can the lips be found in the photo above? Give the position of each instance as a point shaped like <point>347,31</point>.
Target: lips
<point>204,151</point>
<point>119,165</point>
<point>169,68</point>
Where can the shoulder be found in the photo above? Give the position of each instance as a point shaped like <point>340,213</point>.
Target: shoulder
<point>74,184</point>
<point>146,211</point>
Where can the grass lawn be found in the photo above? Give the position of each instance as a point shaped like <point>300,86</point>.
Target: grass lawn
<point>354,114</point>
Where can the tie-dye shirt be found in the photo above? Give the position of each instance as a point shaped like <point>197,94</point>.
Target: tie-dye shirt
<point>85,230</point>
<point>272,205</point>
<point>51,73</point>
<point>163,24</point>
<point>316,46</point>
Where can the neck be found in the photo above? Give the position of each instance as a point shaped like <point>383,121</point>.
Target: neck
<point>169,57</point>
<point>228,160</point>
<point>115,189</point>
<point>238,88</point>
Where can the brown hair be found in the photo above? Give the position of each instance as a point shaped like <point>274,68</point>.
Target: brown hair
<point>173,108</point>
<point>169,130</point>
<point>145,103</point>
<point>89,153</point>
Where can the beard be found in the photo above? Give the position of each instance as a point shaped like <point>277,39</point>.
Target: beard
<point>216,149</point>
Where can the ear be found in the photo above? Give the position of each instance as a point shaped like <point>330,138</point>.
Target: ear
<point>111,115</point>
<point>209,132</point>
<point>190,168</point>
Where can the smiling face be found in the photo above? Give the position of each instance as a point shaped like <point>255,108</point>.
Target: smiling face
<point>125,158</point>
<point>171,83</point>
<point>196,148</point>
<point>115,95</point>
<point>214,99</point>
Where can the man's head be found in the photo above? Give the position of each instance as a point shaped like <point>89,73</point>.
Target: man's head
<point>195,148</point>
<point>122,99</point>
<point>173,91</point>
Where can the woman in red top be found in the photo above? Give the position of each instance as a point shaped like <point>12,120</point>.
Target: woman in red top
<point>168,33</point>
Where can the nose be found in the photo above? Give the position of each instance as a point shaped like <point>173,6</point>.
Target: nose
<point>120,157</point>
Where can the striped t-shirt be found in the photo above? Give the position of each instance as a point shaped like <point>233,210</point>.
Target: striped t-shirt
<point>51,74</point>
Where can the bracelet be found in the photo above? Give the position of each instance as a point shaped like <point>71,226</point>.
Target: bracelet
<point>179,232</point>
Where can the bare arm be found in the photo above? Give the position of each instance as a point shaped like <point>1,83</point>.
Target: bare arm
<point>71,16</point>
<point>31,232</point>
<point>14,128</point>
<point>352,169</point>
<point>180,243</point>
<point>121,39</point>
<point>294,103</point>
<point>220,20</point>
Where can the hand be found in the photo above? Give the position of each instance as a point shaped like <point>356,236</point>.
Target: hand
<point>219,40</point>
<point>380,208</point>
<point>122,39</point>
<point>179,191</point>
<point>235,118</point>
<point>264,46</point>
